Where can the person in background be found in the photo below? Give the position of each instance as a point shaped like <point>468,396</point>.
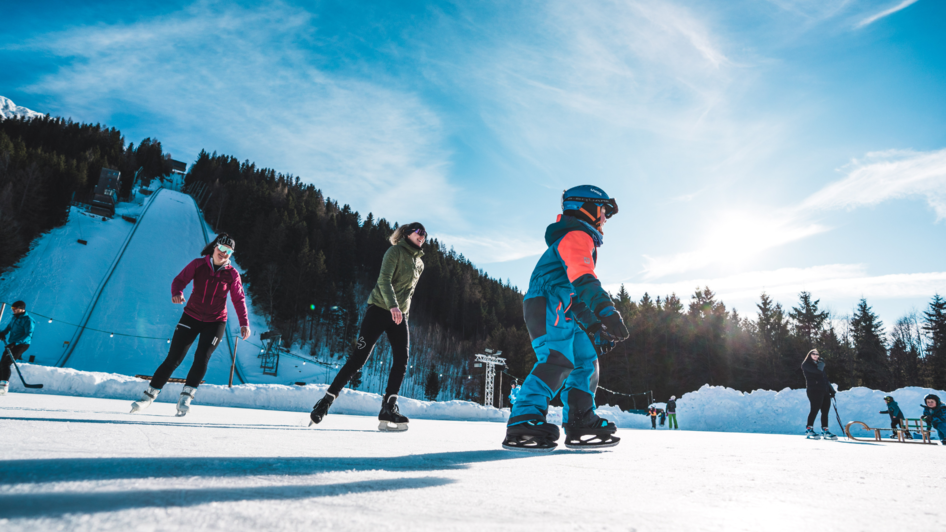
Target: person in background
<point>896,417</point>
<point>934,414</point>
<point>663,417</point>
<point>20,331</point>
<point>672,413</point>
<point>653,417</point>
<point>819,392</point>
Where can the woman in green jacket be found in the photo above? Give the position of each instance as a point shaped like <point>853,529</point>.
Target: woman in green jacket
<point>388,308</point>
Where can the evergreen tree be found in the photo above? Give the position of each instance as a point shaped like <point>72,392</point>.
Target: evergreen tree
<point>432,385</point>
<point>870,353</point>
<point>809,321</point>
<point>934,324</point>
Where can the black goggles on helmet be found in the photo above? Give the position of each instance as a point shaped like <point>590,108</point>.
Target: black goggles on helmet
<point>610,205</point>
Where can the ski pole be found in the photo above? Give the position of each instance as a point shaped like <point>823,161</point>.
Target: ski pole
<point>838,416</point>
<point>233,363</point>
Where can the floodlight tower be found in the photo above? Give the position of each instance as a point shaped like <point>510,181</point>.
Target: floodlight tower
<point>491,359</point>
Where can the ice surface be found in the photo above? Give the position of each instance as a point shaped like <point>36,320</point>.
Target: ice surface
<point>84,464</point>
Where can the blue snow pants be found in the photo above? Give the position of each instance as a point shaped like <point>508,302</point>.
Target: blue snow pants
<point>566,361</point>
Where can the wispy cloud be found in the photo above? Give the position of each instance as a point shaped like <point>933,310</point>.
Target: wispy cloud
<point>879,177</point>
<point>875,17</point>
<point>883,176</point>
<point>485,250</point>
<point>251,82</point>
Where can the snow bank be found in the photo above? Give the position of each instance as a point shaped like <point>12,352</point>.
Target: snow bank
<point>711,408</point>
<point>720,409</point>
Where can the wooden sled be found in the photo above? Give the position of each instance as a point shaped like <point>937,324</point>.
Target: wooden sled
<point>900,437</point>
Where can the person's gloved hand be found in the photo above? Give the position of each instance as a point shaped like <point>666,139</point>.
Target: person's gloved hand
<point>602,343</point>
<point>613,324</point>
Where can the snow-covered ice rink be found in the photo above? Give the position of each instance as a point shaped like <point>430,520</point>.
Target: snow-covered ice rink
<point>76,463</point>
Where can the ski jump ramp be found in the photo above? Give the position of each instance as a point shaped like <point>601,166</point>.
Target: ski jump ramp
<point>134,298</point>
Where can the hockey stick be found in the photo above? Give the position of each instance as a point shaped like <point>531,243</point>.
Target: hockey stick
<point>7,352</point>
<point>233,362</point>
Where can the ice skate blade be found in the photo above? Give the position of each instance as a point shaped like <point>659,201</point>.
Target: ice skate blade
<point>529,449</point>
<point>590,444</point>
<point>180,414</point>
<point>386,426</point>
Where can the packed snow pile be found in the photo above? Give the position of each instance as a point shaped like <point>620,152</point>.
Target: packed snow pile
<point>720,409</point>
<point>8,109</point>
<point>711,408</point>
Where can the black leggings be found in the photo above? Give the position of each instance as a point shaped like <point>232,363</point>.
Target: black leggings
<point>6,362</point>
<point>187,330</point>
<point>820,400</point>
<point>377,321</point>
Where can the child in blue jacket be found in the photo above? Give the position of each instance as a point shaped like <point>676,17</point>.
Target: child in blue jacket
<point>934,413</point>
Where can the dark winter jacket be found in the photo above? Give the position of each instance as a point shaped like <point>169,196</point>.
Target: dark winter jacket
<point>400,271</point>
<point>671,407</point>
<point>935,416</point>
<point>20,330</point>
<point>815,377</point>
<point>208,301</point>
<point>893,410</point>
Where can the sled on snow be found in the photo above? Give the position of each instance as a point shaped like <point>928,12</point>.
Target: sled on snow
<point>919,428</point>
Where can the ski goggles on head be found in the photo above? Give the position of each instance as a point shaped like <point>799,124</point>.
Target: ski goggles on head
<point>224,249</point>
<point>610,205</point>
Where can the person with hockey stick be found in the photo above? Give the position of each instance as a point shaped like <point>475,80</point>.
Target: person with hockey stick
<point>820,392</point>
<point>20,329</point>
<point>388,308</point>
<point>934,414</point>
<point>205,316</point>
<point>672,413</point>
<point>571,321</point>
<point>896,417</point>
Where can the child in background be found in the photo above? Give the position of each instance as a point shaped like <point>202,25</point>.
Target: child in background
<point>896,417</point>
<point>653,417</point>
<point>934,414</point>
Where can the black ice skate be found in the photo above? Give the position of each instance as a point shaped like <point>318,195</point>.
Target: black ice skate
<point>320,409</point>
<point>534,436</point>
<point>390,417</point>
<point>590,432</point>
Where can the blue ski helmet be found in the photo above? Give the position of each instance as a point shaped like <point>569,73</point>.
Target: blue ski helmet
<point>589,202</point>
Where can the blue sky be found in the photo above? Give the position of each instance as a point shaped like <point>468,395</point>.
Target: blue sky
<point>752,145</point>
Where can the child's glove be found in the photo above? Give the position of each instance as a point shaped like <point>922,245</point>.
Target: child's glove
<point>600,339</point>
<point>613,324</point>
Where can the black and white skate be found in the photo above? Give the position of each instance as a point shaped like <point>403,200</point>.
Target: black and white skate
<point>321,409</point>
<point>590,432</point>
<point>532,436</point>
<point>390,418</point>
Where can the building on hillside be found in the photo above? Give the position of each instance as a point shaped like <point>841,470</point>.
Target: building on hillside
<point>106,193</point>
<point>177,167</point>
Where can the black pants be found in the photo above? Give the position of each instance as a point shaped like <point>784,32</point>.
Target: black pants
<point>895,422</point>
<point>820,400</point>
<point>377,321</point>
<point>653,421</point>
<point>6,362</point>
<point>187,330</point>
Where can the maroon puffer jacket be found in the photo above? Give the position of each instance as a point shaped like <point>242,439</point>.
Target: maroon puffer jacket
<point>208,301</point>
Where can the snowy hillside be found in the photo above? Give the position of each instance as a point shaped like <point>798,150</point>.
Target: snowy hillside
<point>132,318</point>
<point>8,109</point>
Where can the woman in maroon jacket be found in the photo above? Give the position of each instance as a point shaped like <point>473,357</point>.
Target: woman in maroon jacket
<point>205,316</point>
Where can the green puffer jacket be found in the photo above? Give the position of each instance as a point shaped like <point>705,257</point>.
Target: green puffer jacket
<point>400,271</point>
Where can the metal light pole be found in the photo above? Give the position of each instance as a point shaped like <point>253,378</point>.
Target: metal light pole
<point>491,360</point>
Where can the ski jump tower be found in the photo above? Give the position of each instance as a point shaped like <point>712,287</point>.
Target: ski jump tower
<point>491,359</point>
